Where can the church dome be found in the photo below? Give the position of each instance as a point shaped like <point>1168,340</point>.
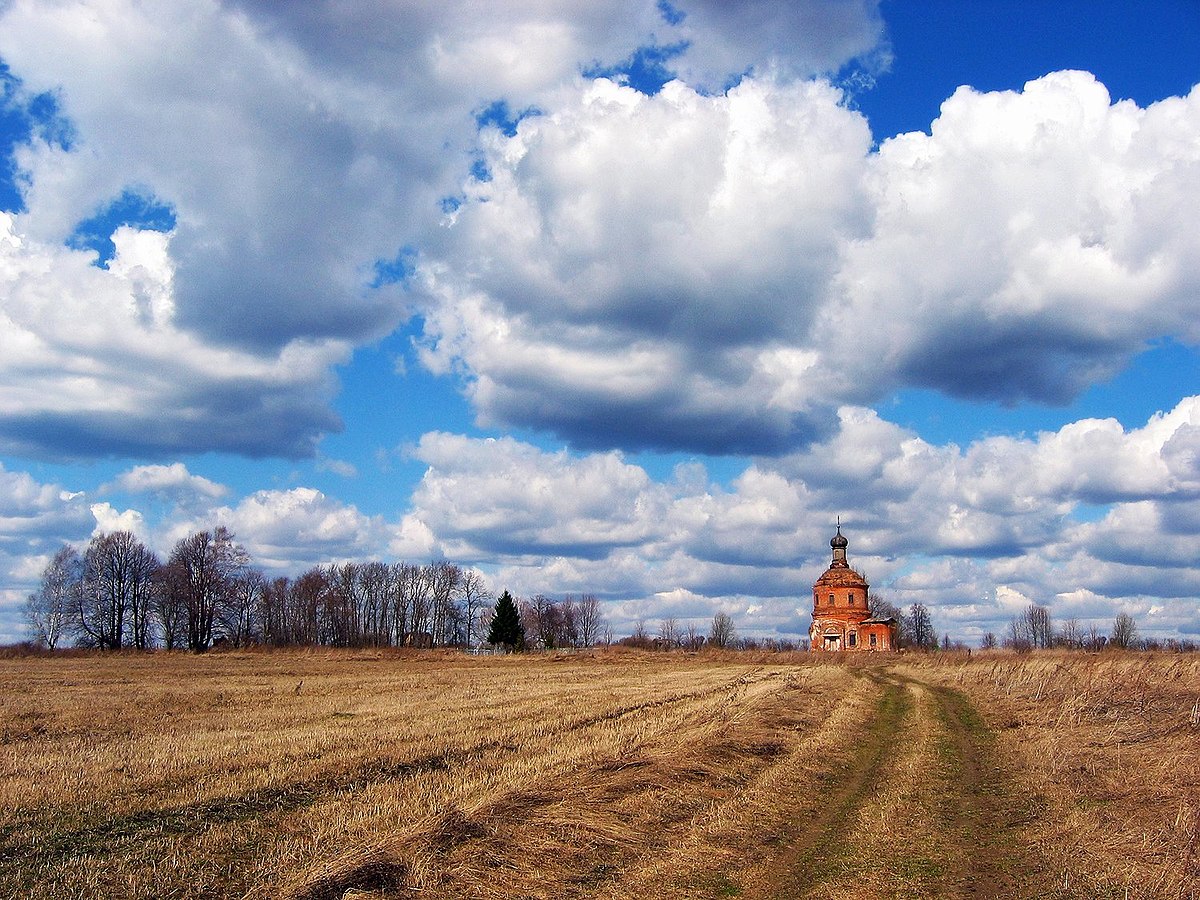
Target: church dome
<point>839,542</point>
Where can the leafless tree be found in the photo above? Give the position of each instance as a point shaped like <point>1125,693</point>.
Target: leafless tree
<point>117,590</point>
<point>302,611</point>
<point>169,609</point>
<point>589,621</point>
<point>988,642</point>
<point>567,626</point>
<point>1018,635</point>
<point>723,632</point>
<point>238,616</point>
<point>474,595</point>
<point>1070,634</point>
<point>203,568</point>
<point>1124,632</point>
<point>1039,628</point>
<point>693,639</point>
<point>410,602</point>
<point>48,611</point>
<point>443,580</point>
<point>639,637</point>
<point>920,628</point>
<point>669,635</point>
<point>376,591</point>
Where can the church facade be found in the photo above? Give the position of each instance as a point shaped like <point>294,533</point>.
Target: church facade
<point>841,614</point>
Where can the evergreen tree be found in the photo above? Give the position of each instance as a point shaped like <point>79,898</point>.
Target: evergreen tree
<point>506,630</point>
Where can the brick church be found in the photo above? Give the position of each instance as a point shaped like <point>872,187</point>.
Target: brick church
<point>842,618</point>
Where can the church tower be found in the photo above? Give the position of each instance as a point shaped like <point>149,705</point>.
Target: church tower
<point>842,618</point>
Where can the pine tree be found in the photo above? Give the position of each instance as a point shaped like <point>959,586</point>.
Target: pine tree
<point>506,630</point>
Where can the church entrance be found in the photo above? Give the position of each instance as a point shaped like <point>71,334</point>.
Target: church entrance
<point>833,642</point>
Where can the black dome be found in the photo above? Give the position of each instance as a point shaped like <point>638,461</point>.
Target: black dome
<point>839,542</point>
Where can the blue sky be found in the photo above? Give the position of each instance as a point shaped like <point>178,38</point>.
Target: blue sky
<point>631,299</point>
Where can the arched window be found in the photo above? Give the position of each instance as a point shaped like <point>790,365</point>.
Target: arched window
<point>851,598</point>
<point>831,599</point>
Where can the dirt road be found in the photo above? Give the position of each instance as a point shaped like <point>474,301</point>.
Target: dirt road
<point>904,797</point>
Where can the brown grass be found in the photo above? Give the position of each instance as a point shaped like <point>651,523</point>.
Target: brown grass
<point>328,775</point>
<point>1112,743</point>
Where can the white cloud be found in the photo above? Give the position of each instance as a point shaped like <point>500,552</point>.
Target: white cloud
<point>109,519</point>
<point>645,270</point>
<point>297,146</point>
<point>722,272</point>
<point>91,362</point>
<point>975,533</point>
<point>286,531</point>
<point>173,480</point>
<point>503,496</point>
<point>35,520</point>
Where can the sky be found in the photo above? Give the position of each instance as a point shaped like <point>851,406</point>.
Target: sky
<point>634,299</point>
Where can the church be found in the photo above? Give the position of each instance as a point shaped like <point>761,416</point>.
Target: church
<point>841,615</point>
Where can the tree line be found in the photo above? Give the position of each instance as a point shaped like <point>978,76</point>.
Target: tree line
<point>1033,628</point>
<point>117,594</point>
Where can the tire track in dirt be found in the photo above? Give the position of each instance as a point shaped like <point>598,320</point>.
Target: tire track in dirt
<point>814,845</point>
<point>982,811</point>
<point>927,768</point>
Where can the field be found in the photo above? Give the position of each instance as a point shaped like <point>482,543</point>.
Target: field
<point>331,775</point>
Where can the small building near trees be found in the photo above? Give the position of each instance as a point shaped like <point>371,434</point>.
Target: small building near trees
<point>842,618</point>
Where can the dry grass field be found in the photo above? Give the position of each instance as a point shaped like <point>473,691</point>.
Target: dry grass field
<point>351,775</point>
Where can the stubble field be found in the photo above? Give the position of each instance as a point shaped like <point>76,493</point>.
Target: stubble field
<point>331,775</point>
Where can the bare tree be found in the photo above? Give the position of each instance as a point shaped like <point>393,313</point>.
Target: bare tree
<point>568,627</point>
<point>542,619</point>
<point>237,618</point>
<point>988,642</point>
<point>49,610</point>
<point>589,621</point>
<point>669,635</point>
<point>203,568</point>
<point>411,603</point>
<point>920,628</point>
<point>881,607</point>
<point>169,608</point>
<point>474,595</point>
<point>302,610</point>
<point>375,579</point>
<point>443,580</point>
<point>1124,632</point>
<point>1070,634</point>
<point>118,579</point>
<point>639,637</point>
<point>723,633</point>
<point>1038,626</point>
<point>693,639</point>
<point>1018,635</point>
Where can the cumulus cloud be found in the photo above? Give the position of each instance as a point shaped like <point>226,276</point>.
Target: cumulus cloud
<point>1028,246</point>
<point>92,362</point>
<point>173,481</point>
<point>302,150</point>
<point>286,531</point>
<point>644,270</point>
<point>35,520</point>
<point>501,496</point>
<point>722,272</point>
<point>975,533</point>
